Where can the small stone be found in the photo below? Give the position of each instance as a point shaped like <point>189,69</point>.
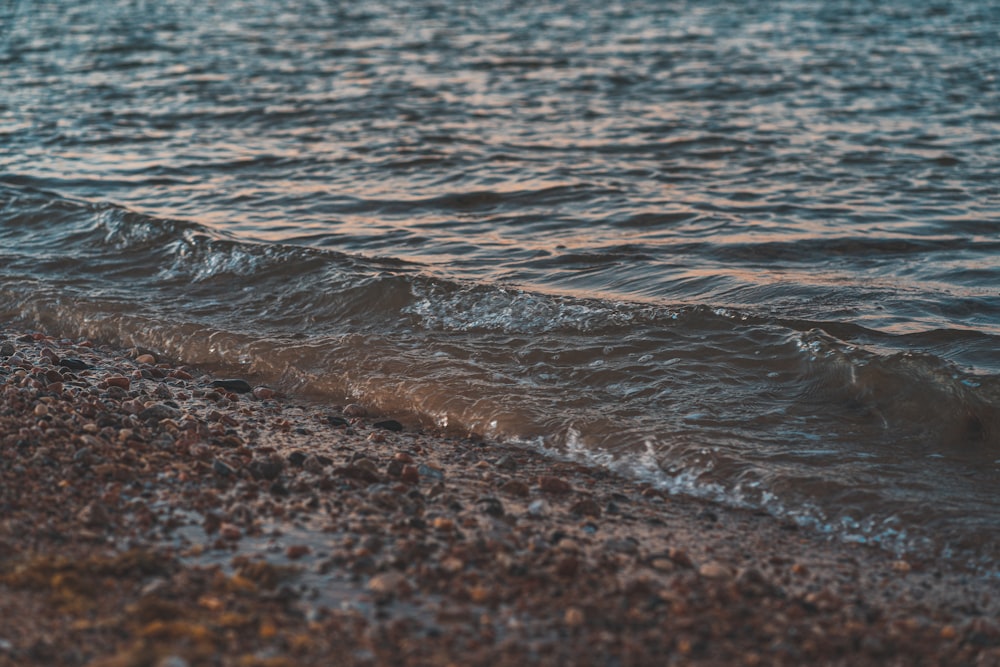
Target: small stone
<point>146,359</point>
<point>491,506</point>
<point>714,570</point>
<point>389,425</point>
<point>263,393</point>
<point>550,484</point>
<point>222,468</point>
<point>268,469</point>
<point>430,472</point>
<point>410,475</point>
<point>41,410</point>
<point>538,508</point>
<point>296,551</point>
<point>7,349</point>
<point>586,507</point>
<point>901,566</point>
<point>443,524</point>
<point>354,410</point>
<point>516,488</point>
<point>389,584</point>
<point>234,385</point>
<point>573,617</point>
<point>680,557</point>
<point>159,411</point>
<point>297,458</point>
<point>119,381</point>
<point>506,462</point>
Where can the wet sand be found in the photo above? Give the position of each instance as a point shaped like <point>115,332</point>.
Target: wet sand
<point>151,518</point>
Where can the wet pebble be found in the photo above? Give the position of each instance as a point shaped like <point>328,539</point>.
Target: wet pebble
<point>354,410</point>
<point>233,385</point>
<point>118,381</point>
<point>222,468</point>
<point>550,484</point>
<point>586,507</point>
<point>516,488</point>
<point>389,425</point>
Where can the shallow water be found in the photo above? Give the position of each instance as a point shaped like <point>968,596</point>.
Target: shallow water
<point>748,253</point>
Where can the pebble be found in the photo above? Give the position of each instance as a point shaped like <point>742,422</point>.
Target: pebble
<point>119,381</point>
<point>145,359</point>
<point>7,349</point>
<point>538,508</point>
<point>550,484</point>
<point>389,425</point>
<point>429,472</point>
<point>233,385</point>
<point>516,488</point>
<point>714,570</point>
<point>586,507</point>
<point>41,410</point>
<point>222,468</point>
<point>354,410</point>
<point>263,393</point>
<point>159,411</point>
<point>389,583</point>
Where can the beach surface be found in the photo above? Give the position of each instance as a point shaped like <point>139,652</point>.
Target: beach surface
<point>153,514</point>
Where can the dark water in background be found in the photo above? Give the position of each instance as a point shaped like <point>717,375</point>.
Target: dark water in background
<point>750,251</point>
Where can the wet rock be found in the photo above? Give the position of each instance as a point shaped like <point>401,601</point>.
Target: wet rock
<point>539,508</point>
<point>430,473</point>
<point>490,505</point>
<point>557,485</point>
<point>222,468</point>
<point>7,349</point>
<point>506,462</point>
<point>516,488</point>
<point>360,473</point>
<point>337,421</point>
<point>263,393</point>
<point>159,411</point>
<point>389,425</point>
<point>714,570</point>
<point>117,393</point>
<point>119,381</point>
<point>269,469</point>
<point>586,507</point>
<point>410,475</point>
<point>389,584</point>
<point>354,410</point>
<point>233,385</point>
<point>296,551</point>
<point>145,359</point>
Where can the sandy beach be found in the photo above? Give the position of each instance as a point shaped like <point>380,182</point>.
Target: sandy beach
<point>155,515</point>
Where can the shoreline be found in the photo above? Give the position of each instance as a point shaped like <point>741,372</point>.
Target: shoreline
<point>151,518</point>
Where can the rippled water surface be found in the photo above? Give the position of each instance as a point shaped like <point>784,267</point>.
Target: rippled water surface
<point>747,251</point>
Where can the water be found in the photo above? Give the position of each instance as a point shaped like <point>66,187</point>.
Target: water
<point>745,251</point>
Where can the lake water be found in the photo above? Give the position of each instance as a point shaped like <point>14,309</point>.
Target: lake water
<point>745,251</point>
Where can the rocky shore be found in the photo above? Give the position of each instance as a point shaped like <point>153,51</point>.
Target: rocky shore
<point>152,515</point>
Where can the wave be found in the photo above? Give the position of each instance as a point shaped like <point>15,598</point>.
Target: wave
<point>829,422</point>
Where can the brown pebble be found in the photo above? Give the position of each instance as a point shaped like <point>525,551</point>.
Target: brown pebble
<point>516,488</point>
<point>586,507</point>
<point>263,393</point>
<point>550,484</point>
<point>181,375</point>
<point>714,570</point>
<point>118,381</point>
<point>901,566</point>
<point>573,617</point>
<point>410,475</point>
<point>146,359</point>
<point>296,551</point>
